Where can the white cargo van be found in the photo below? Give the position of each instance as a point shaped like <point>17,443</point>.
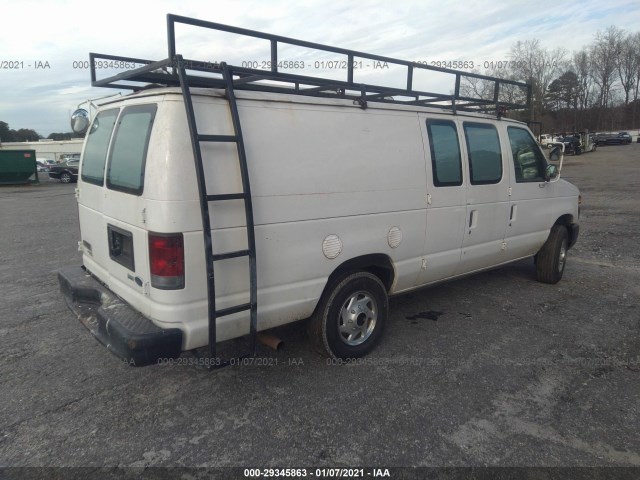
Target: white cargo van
<point>208,214</point>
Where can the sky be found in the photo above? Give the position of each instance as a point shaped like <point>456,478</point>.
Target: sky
<point>44,46</point>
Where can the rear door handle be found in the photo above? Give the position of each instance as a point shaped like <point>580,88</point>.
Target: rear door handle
<point>473,220</point>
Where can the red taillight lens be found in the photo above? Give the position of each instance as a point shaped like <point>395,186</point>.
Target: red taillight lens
<point>166,260</point>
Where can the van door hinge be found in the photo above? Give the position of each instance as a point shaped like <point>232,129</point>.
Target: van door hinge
<point>503,246</point>
<point>80,246</point>
<point>144,215</point>
<point>77,190</point>
<point>428,199</point>
<point>146,289</point>
<point>509,190</point>
<point>424,264</point>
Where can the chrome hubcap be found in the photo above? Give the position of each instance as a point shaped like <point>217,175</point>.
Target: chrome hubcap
<point>562,257</point>
<point>358,317</point>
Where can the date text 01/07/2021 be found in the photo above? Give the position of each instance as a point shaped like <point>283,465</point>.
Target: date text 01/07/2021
<point>317,473</point>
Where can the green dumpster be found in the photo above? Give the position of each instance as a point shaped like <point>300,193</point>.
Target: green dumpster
<point>18,166</point>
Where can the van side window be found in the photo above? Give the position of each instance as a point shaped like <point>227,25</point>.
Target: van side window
<point>95,153</point>
<point>485,156</point>
<point>129,150</point>
<point>528,161</point>
<point>445,153</point>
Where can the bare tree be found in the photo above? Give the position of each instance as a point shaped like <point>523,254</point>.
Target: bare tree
<point>604,53</point>
<point>582,68</point>
<point>627,65</point>
<point>485,89</point>
<point>635,45</point>
<point>538,66</point>
<point>476,87</point>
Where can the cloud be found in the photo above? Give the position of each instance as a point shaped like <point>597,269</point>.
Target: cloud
<point>63,33</point>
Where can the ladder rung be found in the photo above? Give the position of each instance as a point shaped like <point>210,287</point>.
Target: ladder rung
<point>217,138</point>
<point>236,254</point>
<point>226,196</point>
<point>232,310</point>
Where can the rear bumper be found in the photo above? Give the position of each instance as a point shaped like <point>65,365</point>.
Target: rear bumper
<point>124,331</point>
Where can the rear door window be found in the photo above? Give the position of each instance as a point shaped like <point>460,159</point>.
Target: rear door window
<point>485,156</point>
<point>95,153</point>
<point>129,149</point>
<point>445,153</point>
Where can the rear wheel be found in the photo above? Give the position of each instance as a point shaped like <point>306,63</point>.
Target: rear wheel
<point>350,317</point>
<point>552,257</point>
<point>65,177</point>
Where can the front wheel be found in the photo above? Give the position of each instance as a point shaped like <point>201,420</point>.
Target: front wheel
<point>350,318</point>
<point>552,257</point>
<point>65,177</point>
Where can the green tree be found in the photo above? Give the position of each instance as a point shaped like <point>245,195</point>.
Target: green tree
<point>566,90</point>
<point>25,135</point>
<point>6,135</point>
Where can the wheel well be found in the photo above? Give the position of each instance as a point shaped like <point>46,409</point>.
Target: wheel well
<point>377,264</point>
<point>567,220</point>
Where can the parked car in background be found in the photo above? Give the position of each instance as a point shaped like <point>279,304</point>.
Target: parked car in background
<point>621,138</point>
<point>625,137</point>
<point>65,172</point>
<point>548,139</point>
<point>44,164</point>
<point>70,157</point>
<point>572,145</point>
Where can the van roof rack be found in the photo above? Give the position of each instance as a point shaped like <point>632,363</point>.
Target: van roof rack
<point>503,93</point>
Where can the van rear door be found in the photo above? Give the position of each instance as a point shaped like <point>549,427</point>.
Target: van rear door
<point>446,203</point>
<point>111,205</point>
<point>487,197</point>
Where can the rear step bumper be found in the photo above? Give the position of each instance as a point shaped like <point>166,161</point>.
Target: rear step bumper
<point>124,331</point>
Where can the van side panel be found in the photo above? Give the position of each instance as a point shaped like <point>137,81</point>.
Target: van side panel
<point>315,171</point>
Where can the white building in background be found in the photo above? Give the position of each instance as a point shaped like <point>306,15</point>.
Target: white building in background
<point>47,149</point>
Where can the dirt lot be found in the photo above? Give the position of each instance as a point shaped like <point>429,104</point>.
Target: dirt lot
<point>494,369</point>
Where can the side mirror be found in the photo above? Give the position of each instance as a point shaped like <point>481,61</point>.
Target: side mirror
<point>80,121</point>
<point>550,173</point>
<point>554,154</point>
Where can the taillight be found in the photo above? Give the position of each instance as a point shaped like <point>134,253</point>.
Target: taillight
<point>166,260</point>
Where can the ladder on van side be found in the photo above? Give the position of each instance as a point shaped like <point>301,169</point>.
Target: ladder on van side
<point>205,198</point>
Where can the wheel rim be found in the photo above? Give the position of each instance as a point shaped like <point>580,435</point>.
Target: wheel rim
<point>358,317</point>
<point>562,256</point>
<point>65,178</point>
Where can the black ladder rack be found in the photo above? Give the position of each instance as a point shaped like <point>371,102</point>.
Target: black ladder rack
<point>205,198</point>
<point>164,73</point>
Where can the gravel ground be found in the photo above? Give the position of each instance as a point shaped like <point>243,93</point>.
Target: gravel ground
<point>491,370</point>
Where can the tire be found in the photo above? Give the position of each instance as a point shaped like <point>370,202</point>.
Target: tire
<point>65,177</point>
<point>552,257</point>
<point>350,318</point>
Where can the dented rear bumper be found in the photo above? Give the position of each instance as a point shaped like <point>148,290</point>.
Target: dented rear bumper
<point>124,331</point>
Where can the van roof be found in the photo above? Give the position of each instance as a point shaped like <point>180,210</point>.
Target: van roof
<point>293,98</point>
